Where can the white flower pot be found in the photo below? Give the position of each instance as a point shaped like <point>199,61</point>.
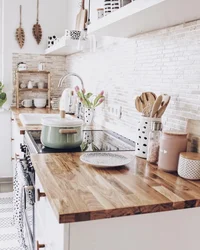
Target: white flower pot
<point>89,115</point>
<point>142,136</point>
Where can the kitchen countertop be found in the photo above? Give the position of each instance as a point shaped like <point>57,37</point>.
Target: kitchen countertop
<point>16,112</point>
<point>80,192</point>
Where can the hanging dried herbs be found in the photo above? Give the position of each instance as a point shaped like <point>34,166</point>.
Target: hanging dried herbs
<point>20,34</point>
<point>37,29</point>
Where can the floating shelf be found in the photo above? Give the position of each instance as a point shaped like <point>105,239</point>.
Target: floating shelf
<point>34,90</point>
<point>63,47</point>
<point>143,16</point>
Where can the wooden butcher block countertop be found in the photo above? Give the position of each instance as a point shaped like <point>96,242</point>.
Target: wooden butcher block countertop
<point>80,192</point>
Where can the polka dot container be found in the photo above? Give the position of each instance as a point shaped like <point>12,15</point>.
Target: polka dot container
<point>142,135</point>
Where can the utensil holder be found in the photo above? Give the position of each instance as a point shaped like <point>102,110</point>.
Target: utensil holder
<point>142,137</point>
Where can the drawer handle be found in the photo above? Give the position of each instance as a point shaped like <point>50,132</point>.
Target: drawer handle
<point>40,195</point>
<point>40,246</point>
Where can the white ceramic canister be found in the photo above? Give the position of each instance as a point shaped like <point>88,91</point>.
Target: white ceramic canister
<point>189,165</point>
<point>100,13</point>
<point>142,136</point>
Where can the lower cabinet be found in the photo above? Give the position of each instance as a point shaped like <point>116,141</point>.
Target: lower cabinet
<point>5,145</point>
<point>49,234</point>
<point>174,230</point>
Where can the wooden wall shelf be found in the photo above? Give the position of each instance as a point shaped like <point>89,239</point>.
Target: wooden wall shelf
<point>19,91</point>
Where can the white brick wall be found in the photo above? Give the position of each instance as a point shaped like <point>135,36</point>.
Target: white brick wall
<point>164,61</point>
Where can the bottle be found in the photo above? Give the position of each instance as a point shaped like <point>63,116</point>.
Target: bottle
<point>154,142</point>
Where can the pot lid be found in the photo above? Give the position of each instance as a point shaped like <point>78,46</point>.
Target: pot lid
<point>59,122</point>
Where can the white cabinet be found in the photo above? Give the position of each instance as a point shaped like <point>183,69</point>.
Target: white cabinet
<point>48,231</point>
<point>16,139</point>
<point>5,144</point>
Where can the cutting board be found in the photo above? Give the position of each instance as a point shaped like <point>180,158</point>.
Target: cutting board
<point>81,18</point>
<point>193,130</point>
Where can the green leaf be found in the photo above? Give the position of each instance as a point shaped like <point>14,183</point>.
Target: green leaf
<point>84,146</point>
<point>88,95</point>
<point>95,148</point>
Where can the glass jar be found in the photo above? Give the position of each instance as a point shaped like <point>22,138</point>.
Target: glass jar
<point>154,142</point>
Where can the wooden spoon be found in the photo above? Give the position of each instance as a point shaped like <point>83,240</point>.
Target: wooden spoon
<point>161,111</point>
<point>139,104</point>
<point>156,105</point>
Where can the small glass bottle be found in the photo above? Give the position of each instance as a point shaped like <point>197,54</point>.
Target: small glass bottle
<point>154,142</point>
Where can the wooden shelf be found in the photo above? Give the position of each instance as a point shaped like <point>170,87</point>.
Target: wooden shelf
<point>34,90</point>
<point>143,16</point>
<point>63,47</point>
<point>19,91</point>
<point>33,72</point>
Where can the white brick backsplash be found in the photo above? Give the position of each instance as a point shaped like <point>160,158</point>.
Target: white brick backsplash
<point>164,61</point>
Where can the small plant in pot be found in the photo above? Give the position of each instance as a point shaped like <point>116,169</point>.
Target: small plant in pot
<point>90,102</point>
<point>3,96</point>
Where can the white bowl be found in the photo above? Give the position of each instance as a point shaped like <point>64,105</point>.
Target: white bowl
<point>40,102</point>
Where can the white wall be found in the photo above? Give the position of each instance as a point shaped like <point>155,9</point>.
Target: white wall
<point>53,20</point>
<point>1,23</point>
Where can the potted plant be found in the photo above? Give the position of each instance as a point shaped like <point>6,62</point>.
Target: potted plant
<point>3,96</point>
<point>90,102</point>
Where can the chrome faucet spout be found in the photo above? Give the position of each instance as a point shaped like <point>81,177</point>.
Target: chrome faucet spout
<point>68,75</point>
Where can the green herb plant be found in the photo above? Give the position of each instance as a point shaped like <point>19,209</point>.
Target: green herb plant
<point>3,96</point>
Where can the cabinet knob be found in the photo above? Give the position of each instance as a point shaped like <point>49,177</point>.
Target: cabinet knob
<point>40,195</point>
<point>40,246</point>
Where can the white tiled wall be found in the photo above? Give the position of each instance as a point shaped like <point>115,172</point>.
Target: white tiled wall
<point>165,61</point>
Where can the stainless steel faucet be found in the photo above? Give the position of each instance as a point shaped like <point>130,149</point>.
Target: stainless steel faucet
<point>68,75</point>
<point>80,108</point>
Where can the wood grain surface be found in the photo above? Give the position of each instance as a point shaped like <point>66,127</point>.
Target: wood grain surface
<point>80,192</point>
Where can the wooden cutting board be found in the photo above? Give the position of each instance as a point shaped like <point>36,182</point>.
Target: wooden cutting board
<point>81,18</point>
<point>193,130</point>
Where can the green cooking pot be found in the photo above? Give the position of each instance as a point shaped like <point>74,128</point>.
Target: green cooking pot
<point>62,133</point>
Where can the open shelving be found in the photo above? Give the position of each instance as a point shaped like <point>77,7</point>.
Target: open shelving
<point>19,90</point>
<point>143,16</point>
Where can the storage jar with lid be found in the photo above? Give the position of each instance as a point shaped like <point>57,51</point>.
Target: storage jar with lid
<point>172,143</point>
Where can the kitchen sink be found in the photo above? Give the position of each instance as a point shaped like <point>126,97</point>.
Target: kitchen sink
<point>34,119</point>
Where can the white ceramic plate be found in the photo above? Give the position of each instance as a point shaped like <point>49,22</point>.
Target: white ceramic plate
<point>105,159</point>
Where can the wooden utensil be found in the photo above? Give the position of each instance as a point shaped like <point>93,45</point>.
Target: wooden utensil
<point>161,111</point>
<point>81,18</point>
<point>20,34</point>
<point>148,97</point>
<point>156,105</point>
<point>37,29</point>
<point>166,99</point>
<point>139,104</point>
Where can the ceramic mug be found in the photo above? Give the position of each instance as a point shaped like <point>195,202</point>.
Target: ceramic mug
<point>40,85</point>
<point>27,103</point>
<point>30,85</point>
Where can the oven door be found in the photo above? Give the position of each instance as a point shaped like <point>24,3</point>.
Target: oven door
<point>29,221</point>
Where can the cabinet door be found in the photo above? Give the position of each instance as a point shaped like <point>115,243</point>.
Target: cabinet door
<point>48,230</point>
<point>56,235</point>
<point>5,145</point>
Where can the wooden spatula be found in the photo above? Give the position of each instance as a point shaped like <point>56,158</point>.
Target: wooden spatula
<point>81,18</point>
<point>161,111</point>
<point>139,104</point>
<point>156,105</point>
